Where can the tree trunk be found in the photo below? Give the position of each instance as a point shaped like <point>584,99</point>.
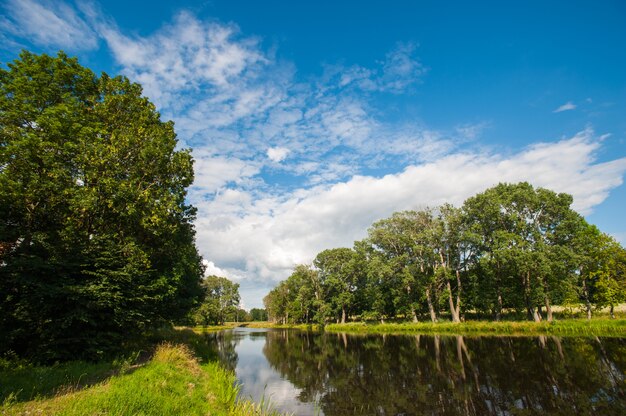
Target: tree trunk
<point>499,307</point>
<point>414,315</point>
<point>458,293</point>
<point>343,314</point>
<point>586,294</point>
<point>431,309</point>
<point>532,311</point>
<point>612,311</point>
<point>548,308</point>
<point>453,309</point>
<point>536,315</point>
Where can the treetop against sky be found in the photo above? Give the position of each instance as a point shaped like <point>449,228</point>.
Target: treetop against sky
<point>310,120</point>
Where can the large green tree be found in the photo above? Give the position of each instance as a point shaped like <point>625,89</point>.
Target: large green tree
<point>526,237</point>
<point>96,239</point>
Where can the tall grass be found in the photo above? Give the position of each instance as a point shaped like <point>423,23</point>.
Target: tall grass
<point>173,382</point>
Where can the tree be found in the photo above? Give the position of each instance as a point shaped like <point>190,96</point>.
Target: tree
<point>257,314</point>
<point>337,270</point>
<point>400,261</point>
<point>221,298</point>
<point>525,233</point>
<point>610,276</point>
<point>96,240</point>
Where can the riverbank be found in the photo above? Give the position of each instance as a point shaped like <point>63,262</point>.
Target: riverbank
<point>179,378</point>
<point>568,327</point>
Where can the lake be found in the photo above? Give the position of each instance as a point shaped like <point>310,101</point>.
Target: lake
<point>308,373</point>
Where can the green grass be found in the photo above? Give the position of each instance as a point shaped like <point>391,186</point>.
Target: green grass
<point>567,327</point>
<point>175,381</point>
<point>303,327</point>
<point>21,381</point>
<point>570,327</point>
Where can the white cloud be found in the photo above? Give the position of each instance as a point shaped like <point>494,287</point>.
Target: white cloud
<point>212,270</point>
<point>400,69</point>
<point>214,172</point>
<point>48,23</point>
<point>277,154</point>
<point>240,109</point>
<point>397,73</point>
<point>188,56</point>
<point>565,107</point>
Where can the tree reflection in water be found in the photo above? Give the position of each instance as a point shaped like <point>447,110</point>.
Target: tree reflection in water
<point>446,375</point>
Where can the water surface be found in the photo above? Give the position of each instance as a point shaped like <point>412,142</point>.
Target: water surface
<point>337,374</point>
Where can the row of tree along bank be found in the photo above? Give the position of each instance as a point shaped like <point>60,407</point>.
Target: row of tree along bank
<point>510,248</point>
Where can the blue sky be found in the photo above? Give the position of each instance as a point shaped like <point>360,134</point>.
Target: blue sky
<point>310,120</point>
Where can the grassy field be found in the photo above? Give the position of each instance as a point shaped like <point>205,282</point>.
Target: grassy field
<point>178,379</point>
<point>566,327</point>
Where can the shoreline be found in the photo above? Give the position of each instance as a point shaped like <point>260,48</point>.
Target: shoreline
<point>566,327</point>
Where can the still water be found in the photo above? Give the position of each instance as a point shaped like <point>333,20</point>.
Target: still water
<point>337,374</point>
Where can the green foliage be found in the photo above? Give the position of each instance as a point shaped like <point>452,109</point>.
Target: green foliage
<point>257,314</point>
<point>96,241</point>
<point>220,302</point>
<point>511,249</point>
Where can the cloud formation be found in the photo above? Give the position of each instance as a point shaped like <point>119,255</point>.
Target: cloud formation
<point>48,23</point>
<point>565,107</point>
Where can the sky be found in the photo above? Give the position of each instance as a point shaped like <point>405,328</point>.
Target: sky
<point>310,120</point>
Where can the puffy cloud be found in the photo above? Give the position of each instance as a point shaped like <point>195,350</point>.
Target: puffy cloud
<point>189,56</point>
<point>277,154</point>
<point>212,270</point>
<point>48,23</point>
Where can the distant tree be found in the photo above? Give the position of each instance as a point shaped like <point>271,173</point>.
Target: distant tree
<point>257,314</point>
<point>220,301</point>
<point>237,314</point>
<point>96,239</point>
<point>276,303</point>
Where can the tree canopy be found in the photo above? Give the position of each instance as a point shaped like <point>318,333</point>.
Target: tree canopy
<point>512,247</point>
<point>220,300</point>
<point>96,239</point>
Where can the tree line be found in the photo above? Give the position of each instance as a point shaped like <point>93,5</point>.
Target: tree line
<point>510,249</point>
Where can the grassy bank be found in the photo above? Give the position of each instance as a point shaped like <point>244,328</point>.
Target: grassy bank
<point>571,327</point>
<point>176,380</point>
<point>303,327</point>
<point>568,327</point>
